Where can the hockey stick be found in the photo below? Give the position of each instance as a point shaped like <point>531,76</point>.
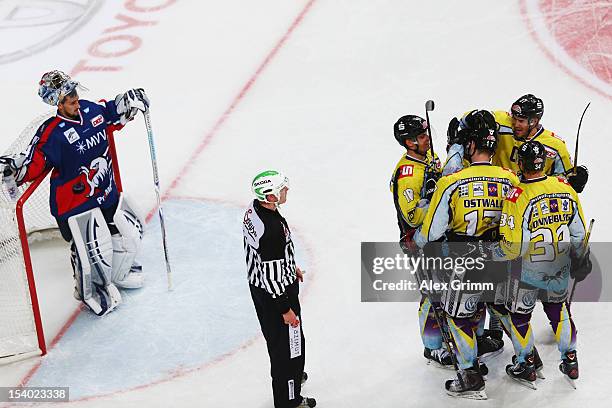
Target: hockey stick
<point>587,236</point>
<point>147,117</point>
<point>446,338</point>
<point>429,106</point>
<point>578,138</point>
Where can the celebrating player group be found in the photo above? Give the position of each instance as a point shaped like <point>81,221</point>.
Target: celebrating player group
<point>508,194</point>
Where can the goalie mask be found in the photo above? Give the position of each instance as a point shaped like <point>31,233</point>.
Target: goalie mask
<point>55,85</point>
<point>269,182</point>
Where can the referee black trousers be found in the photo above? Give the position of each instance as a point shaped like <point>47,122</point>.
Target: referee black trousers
<point>286,372</point>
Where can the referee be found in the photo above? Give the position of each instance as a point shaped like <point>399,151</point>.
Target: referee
<point>273,281</point>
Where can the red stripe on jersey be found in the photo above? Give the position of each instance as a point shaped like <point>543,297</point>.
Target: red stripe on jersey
<point>38,163</point>
<point>66,199</point>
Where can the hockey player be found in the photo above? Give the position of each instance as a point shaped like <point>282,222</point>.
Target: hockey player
<point>103,231</point>
<point>274,283</point>
<point>521,124</point>
<point>466,207</point>
<point>542,226</point>
<point>412,184</point>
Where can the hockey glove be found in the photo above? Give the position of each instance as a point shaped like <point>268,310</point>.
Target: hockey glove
<point>581,267</point>
<point>452,133</point>
<point>129,103</point>
<point>579,180</point>
<point>12,164</point>
<point>431,180</point>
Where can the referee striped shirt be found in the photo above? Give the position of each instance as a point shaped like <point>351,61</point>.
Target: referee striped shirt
<point>270,256</point>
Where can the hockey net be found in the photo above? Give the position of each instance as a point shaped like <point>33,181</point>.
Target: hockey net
<point>25,217</point>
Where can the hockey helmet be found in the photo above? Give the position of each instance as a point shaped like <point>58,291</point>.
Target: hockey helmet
<point>54,86</point>
<point>528,106</point>
<point>269,182</point>
<point>408,127</point>
<point>480,127</point>
<point>532,156</point>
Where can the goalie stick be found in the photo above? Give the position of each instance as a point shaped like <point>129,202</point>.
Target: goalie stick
<point>147,117</point>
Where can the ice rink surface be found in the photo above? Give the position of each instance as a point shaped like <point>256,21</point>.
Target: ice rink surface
<point>313,88</point>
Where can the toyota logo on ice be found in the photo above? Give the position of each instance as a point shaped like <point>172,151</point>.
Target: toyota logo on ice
<point>31,26</point>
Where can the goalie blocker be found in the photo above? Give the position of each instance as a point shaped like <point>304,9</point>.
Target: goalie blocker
<point>104,244</point>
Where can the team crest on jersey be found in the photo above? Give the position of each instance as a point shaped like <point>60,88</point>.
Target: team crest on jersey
<point>544,207</point>
<point>550,153</point>
<point>97,121</point>
<point>505,189</point>
<point>565,205</point>
<point>514,194</point>
<point>563,180</point>
<point>478,189</point>
<point>71,135</point>
<point>409,194</point>
<point>554,205</point>
<point>464,190</point>
<point>406,171</point>
<point>492,187</point>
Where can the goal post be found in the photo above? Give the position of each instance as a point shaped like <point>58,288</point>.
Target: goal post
<point>22,220</point>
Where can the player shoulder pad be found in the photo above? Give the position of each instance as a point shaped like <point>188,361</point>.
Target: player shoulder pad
<point>514,194</point>
<point>502,117</point>
<point>556,136</point>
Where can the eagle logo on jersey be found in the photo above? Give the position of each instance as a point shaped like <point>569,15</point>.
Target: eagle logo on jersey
<point>97,171</point>
<point>544,207</point>
<point>478,189</point>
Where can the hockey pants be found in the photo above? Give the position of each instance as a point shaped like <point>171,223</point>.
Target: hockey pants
<point>286,372</point>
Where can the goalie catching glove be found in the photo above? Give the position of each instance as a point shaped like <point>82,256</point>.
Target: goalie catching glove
<point>129,103</point>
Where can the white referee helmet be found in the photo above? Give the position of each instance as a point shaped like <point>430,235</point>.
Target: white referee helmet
<point>269,182</point>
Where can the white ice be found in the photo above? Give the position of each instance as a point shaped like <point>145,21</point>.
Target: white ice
<point>320,108</point>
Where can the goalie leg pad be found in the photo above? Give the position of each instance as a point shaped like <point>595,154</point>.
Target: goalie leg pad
<point>91,258</point>
<point>127,274</point>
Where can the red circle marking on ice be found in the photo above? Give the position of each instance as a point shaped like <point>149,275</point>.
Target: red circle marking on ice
<point>577,35</point>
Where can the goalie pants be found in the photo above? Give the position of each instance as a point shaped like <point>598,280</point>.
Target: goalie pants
<point>108,214</point>
<point>286,372</point>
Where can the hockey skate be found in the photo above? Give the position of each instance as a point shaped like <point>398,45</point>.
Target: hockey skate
<point>569,367</point>
<point>489,347</point>
<point>537,362</point>
<point>439,358</point>
<point>523,373</point>
<point>494,334</point>
<point>133,280</point>
<point>468,384</point>
<point>307,403</point>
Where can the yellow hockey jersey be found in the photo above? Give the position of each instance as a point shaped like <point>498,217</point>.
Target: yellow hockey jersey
<point>468,203</point>
<point>542,222</point>
<point>558,161</point>
<point>407,189</point>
